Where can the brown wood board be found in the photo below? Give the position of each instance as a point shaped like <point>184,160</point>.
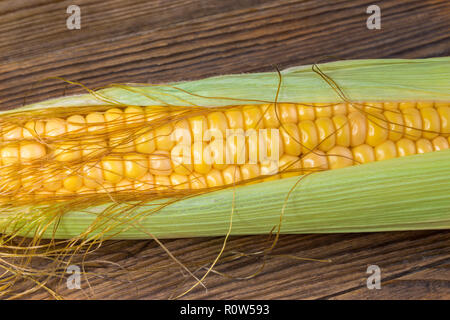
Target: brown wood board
<point>166,41</point>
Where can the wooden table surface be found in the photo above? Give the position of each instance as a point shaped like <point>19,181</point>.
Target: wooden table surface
<point>161,41</point>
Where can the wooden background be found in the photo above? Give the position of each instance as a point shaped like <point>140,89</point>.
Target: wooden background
<point>157,41</point>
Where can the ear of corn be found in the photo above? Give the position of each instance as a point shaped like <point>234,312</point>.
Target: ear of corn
<point>409,193</point>
<point>111,150</point>
<point>79,154</point>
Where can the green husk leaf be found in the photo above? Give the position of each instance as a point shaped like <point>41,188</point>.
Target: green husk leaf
<point>361,80</point>
<point>410,193</point>
<point>407,193</point>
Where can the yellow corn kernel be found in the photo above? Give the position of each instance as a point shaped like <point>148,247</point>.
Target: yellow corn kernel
<point>355,107</point>
<point>270,116</point>
<point>396,124</point>
<point>155,113</point>
<point>114,118</point>
<point>339,157</point>
<point>377,131</point>
<point>413,123</point>
<point>55,127</point>
<point>179,181</point>
<point>323,110</point>
<point>124,185</point>
<point>181,157</point>
<point>316,160</point>
<point>235,118</point>
<point>121,142</point>
<point>269,168</point>
<point>439,104</point>
<point>145,183</point>
<point>269,140</point>
<point>106,187</point>
<point>391,106</point>
<point>444,115</point>
<point>34,128</point>
<point>308,135</point>
<point>291,139</point>
<point>439,143</point>
<point>236,149</point>
<point>11,133</point>
<point>197,181</point>
<point>92,149</point>
<point>163,137</point>
<point>424,146</point>
<point>217,125</point>
<point>160,163</point>
<point>214,178</point>
<point>135,166</point>
<point>162,183</point>
<point>76,124</point>
<point>253,118</point>
<point>114,122</point>
<point>145,141</point>
<point>30,151</point>
<point>305,112</point>
<point>231,174</point>
<point>424,104</point>
<point>405,147</point>
<point>430,123</point>
<point>182,132</point>
<point>198,125</point>
<point>325,130</point>
<point>252,144</point>
<point>386,150</point>
<point>134,115</point>
<point>358,128</point>
<point>68,151</point>
<point>52,181</point>
<point>373,107</point>
<point>406,105</point>
<point>95,122</point>
<point>363,154</point>
<point>340,109</point>
<point>10,155</point>
<point>342,133</point>
<point>217,152</point>
<point>92,175</point>
<point>290,166</point>
<point>201,157</point>
<point>112,169</point>
<point>287,113</point>
<point>250,171</point>
<point>73,182</point>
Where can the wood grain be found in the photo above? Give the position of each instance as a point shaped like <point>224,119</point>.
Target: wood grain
<point>166,41</point>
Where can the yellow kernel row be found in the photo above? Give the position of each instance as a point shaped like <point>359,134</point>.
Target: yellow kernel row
<point>121,149</point>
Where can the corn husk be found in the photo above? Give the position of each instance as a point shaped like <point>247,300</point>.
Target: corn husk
<point>407,193</point>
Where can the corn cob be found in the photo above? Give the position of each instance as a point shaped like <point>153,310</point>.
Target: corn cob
<point>121,149</point>
<point>144,143</point>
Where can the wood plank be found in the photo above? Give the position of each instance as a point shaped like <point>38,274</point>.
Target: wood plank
<point>167,41</point>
